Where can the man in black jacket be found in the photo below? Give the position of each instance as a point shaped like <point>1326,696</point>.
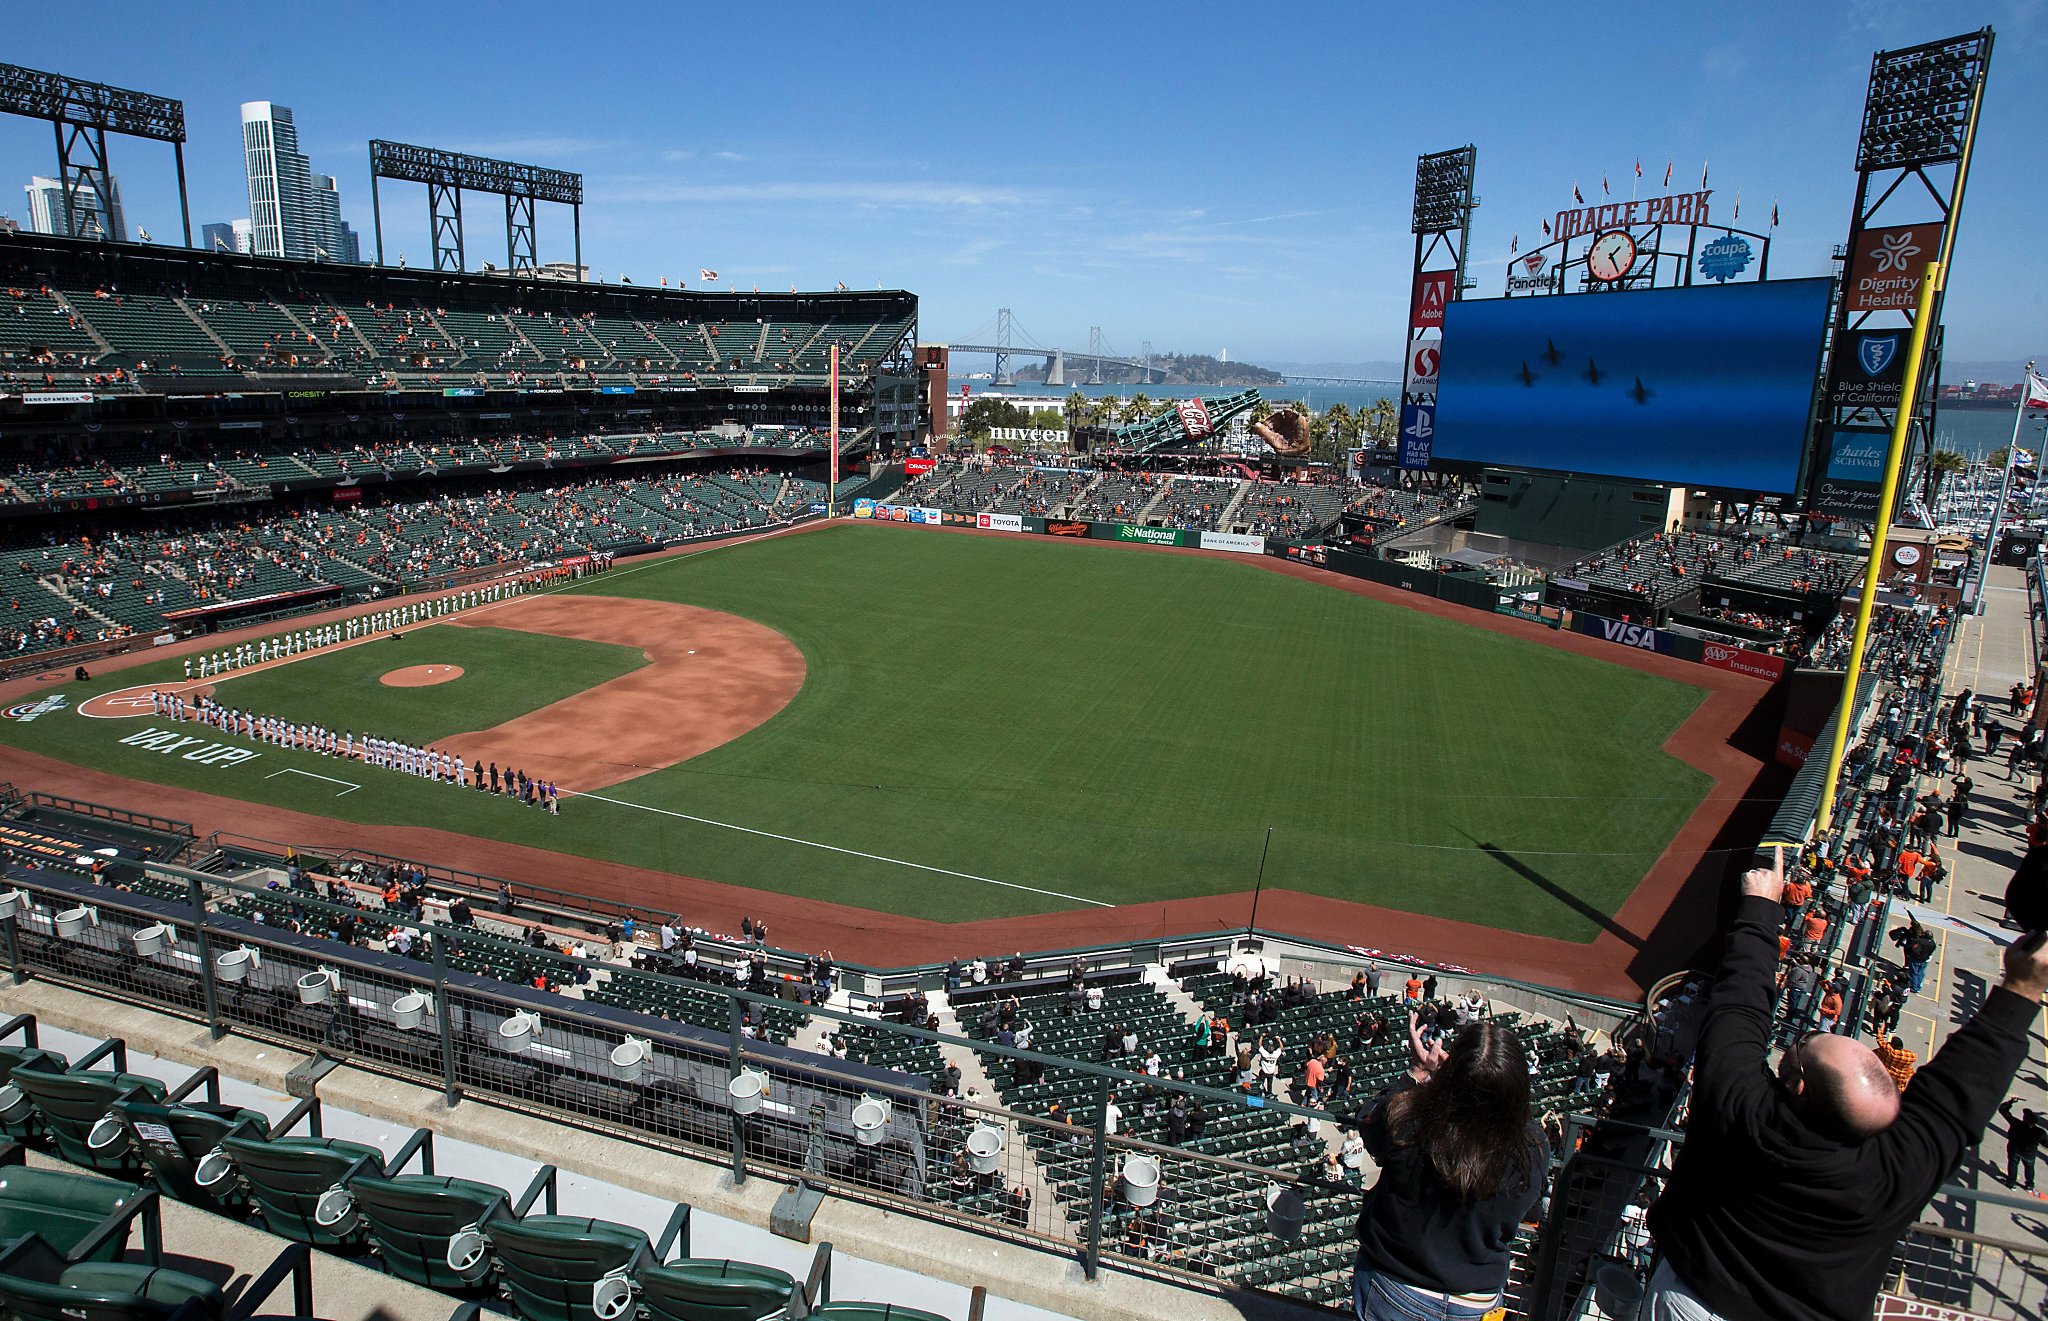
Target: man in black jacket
<point>1790,1191</point>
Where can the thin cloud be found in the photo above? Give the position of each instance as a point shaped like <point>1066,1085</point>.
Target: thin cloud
<point>897,196</point>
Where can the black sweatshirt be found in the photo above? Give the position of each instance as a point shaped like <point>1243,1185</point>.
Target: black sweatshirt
<point>1418,1231</point>
<point>1766,1218</point>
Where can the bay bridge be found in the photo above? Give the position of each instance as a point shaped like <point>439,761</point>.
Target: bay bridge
<point>1086,365</point>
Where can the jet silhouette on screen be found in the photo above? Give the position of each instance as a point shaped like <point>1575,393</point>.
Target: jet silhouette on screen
<point>1528,377</point>
<point>1642,393</point>
<point>1593,372</point>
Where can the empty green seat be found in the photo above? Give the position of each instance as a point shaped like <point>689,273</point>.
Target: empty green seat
<point>175,1141</point>
<point>71,1106</point>
<point>287,1178</point>
<point>875,1312</point>
<point>18,1118</point>
<point>411,1217</point>
<point>62,1207</point>
<point>108,1291</point>
<point>705,1289</point>
<point>549,1265</point>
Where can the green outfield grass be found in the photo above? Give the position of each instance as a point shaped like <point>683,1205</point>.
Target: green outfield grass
<point>505,673</point>
<point>1102,723</point>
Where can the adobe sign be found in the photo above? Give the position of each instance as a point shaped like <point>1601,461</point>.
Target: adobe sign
<point>1432,291</point>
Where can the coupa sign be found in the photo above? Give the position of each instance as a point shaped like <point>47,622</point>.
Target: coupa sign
<point>1640,636</point>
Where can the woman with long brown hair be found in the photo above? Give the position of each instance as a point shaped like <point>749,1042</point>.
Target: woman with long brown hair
<point>1461,1162</point>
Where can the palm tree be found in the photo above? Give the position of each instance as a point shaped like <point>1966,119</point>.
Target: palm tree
<point>1942,465</point>
<point>1339,419</point>
<point>1381,420</point>
<point>1076,409</point>
<point>1141,404</point>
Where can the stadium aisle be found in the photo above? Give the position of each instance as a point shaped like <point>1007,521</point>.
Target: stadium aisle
<point>1992,652</point>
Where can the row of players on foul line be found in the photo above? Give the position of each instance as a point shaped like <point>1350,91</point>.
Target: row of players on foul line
<point>390,754</point>
<point>362,626</point>
<point>206,666</point>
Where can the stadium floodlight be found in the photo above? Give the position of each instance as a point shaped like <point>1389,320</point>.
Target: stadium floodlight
<point>1443,190</point>
<point>1921,100</point>
<point>84,113</point>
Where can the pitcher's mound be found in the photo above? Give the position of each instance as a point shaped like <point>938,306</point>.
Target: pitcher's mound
<point>421,676</point>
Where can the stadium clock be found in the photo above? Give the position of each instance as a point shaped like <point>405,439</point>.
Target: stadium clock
<point>1611,255</point>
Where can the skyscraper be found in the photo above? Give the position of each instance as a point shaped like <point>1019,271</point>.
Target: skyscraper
<point>46,210</point>
<point>292,212</point>
<point>221,237</point>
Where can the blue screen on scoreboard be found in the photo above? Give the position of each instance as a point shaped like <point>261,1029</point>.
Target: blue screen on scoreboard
<point>1703,387</point>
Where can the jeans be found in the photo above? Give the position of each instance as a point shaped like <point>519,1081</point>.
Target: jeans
<point>1918,972</point>
<point>1667,1299</point>
<point>1379,1297</point>
<point>2019,1165</point>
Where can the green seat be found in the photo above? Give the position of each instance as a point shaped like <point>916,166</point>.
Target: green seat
<point>71,1106</point>
<point>705,1289</point>
<point>875,1312</point>
<point>108,1291</point>
<point>61,1207</point>
<point>173,1140</point>
<point>287,1177</point>
<point>18,1117</point>
<point>549,1265</point>
<point>411,1217</point>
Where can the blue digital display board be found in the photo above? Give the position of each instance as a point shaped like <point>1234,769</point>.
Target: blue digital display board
<point>1702,387</point>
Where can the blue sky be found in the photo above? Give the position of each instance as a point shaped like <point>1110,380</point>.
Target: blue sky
<point>1209,177</point>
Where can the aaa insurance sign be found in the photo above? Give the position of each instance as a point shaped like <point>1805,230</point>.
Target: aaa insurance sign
<point>1886,269</point>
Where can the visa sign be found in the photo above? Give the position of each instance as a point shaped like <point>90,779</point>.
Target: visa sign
<point>1622,633</point>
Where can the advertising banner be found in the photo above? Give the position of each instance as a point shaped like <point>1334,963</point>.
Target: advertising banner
<point>58,397</point>
<point>615,389</point>
<point>1233,541</point>
<point>899,513</point>
<point>1530,274</point>
<point>1793,747</point>
<point>1418,435</point>
<point>1871,370</point>
<point>1067,529</point>
<point>1000,522</point>
<point>1741,660</point>
<point>1886,269</point>
<point>1641,636</point>
<point>1425,355</point>
<point>1851,473</point>
<point>1049,437</point>
<point>1432,291</point>
<point>863,509</point>
<point>918,467</point>
<point>1151,536</point>
<point>1194,418</point>
<point>462,392</point>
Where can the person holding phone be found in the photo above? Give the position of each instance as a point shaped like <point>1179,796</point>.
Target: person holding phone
<point>1793,1186</point>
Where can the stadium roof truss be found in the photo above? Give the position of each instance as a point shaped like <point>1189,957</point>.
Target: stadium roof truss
<point>448,174</point>
<point>83,114</point>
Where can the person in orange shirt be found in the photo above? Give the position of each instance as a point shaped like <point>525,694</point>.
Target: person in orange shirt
<point>1814,929</point>
<point>1798,893</point>
<point>1909,864</point>
<point>1897,1060</point>
<point>1411,991</point>
<point>1830,1009</point>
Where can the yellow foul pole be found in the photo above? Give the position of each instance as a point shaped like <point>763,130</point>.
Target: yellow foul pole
<point>1873,568</point>
<point>832,476</point>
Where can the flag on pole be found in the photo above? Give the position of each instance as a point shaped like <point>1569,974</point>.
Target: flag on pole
<point>1738,204</point>
<point>1514,245</point>
<point>2019,458</point>
<point>1667,172</point>
<point>2037,390</point>
<point>842,286</point>
<point>1774,213</point>
<point>1703,176</point>
<point>706,276</point>
<point>1577,196</point>
<point>664,282</point>
<point>1546,229</point>
<point>1603,185</point>
<point>1639,167</point>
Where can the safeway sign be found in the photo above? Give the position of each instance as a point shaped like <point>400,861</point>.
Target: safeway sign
<point>1425,356</point>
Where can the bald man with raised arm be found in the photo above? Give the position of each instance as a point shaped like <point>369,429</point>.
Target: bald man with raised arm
<point>1791,1189</point>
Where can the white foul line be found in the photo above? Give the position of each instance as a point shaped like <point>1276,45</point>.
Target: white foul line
<point>311,776</point>
<point>854,853</point>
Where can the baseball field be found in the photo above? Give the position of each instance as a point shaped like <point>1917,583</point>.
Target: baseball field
<point>956,728</point>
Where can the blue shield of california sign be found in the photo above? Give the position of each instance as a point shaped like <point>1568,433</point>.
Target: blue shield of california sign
<point>1873,370</point>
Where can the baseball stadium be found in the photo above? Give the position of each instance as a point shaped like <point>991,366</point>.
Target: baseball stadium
<point>597,802</point>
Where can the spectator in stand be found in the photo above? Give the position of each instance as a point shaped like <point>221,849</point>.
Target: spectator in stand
<point>2024,1134</point>
<point>1791,1190</point>
<point>1461,1163</point>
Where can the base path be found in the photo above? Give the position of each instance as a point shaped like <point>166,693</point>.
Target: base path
<point>711,677</point>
